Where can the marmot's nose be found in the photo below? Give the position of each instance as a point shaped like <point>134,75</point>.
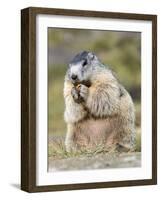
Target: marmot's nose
<point>74,76</point>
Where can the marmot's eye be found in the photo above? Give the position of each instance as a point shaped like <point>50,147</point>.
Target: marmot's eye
<point>84,63</point>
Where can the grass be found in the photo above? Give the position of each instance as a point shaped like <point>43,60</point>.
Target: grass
<point>56,149</point>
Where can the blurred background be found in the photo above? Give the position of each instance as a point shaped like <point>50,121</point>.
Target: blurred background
<point>121,51</point>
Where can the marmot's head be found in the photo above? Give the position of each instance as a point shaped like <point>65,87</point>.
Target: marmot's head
<point>81,67</point>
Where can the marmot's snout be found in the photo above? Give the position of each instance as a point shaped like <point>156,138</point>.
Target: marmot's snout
<point>74,77</point>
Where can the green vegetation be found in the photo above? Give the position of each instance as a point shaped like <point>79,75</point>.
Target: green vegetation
<point>57,150</point>
<point>56,124</point>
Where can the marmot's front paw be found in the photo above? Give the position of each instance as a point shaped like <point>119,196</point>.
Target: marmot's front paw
<point>76,96</point>
<point>79,93</point>
<point>83,91</point>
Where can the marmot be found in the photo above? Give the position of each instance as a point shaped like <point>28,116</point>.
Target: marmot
<point>98,109</point>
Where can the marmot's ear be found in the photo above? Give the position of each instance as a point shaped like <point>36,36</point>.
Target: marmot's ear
<point>91,56</point>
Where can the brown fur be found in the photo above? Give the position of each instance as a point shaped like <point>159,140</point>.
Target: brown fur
<point>100,114</point>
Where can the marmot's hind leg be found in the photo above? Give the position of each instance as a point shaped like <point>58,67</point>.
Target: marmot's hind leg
<point>126,142</point>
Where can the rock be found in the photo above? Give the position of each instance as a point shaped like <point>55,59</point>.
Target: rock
<point>98,161</point>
